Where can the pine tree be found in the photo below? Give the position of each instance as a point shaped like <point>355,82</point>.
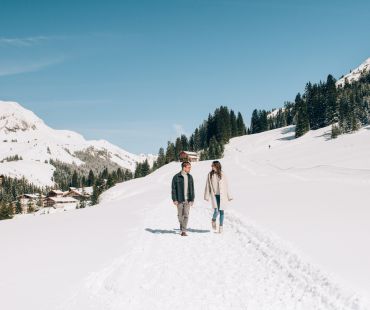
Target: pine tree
<point>255,126</point>
<point>83,199</point>
<point>197,140</point>
<point>331,102</point>
<point>211,129</point>
<point>178,148</point>
<point>142,169</point>
<point>74,182</point>
<point>161,160</point>
<point>233,124</point>
<point>191,143</point>
<point>128,175</point>
<point>203,134</point>
<point>263,121</point>
<point>303,124</point>
<point>145,169</point>
<point>222,125</point>
<point>170,152</point>
<point>95,195</point>
<point>40,202</point>
<point>204,154</point>
<point>344,115</point>
<point>354,112</point>
<point>6,211</point>
<point>138,173</point>
<point>110,180</point>
<point>215,150</point>
<point>90,178</point>
<point>212,149</point>
<point>120,175</point>
<point>184,143</point>
<point>104,174</point>
<point>18,207</point>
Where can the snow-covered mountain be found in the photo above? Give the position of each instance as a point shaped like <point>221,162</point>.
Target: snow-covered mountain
<point>24,134</point>
<point>355,74</point>
<point>275,112</point>
<point>295,236</point>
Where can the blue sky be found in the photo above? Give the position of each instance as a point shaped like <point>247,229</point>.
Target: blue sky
<point>138,73</point>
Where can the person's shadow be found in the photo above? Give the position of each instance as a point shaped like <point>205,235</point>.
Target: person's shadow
<point>175,231</point>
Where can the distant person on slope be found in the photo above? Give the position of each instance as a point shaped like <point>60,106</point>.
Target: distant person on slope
<point>183,195</point>
<point>217,189</point>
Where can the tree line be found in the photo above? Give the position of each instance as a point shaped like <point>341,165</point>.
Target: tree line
<point>10,189</point>
<point>346,108</point>
<point>64,178</point>
<point>208,139</point>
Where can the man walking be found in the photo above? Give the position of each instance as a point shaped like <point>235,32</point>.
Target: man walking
<point>183,195</point>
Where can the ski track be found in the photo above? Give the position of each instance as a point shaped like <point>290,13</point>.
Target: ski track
<point>242,268</point>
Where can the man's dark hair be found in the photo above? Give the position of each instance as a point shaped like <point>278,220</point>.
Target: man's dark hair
<point>185,163</point>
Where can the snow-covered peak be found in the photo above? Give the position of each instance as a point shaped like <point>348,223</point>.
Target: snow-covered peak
<point>13,118</point>
<point>355,74</point>
<point>24,134</point>
<point>275,112</point>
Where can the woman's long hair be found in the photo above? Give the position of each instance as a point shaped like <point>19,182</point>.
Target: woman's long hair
<point>218,167</point>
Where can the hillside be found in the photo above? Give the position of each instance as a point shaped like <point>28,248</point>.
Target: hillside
<point>355,74</point>
<point>295,236</point>
<point>24,134</point>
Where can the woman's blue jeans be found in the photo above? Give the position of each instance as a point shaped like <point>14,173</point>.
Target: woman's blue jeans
<point>217,210</point>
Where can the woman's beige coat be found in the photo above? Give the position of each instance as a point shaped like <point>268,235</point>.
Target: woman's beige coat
<point>225,196</point>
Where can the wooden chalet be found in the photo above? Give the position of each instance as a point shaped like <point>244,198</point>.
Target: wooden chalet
<point>188,156</point>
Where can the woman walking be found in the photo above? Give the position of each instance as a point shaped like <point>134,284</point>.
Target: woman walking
<point>218,191</point>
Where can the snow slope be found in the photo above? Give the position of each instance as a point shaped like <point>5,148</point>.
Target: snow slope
<point>295,237</point>
<point>355,74</point>
<point>23,133</point>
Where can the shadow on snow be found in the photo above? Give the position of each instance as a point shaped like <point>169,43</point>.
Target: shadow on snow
<point>175,231</point>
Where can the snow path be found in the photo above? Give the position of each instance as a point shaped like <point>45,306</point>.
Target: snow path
<point>243,268</point>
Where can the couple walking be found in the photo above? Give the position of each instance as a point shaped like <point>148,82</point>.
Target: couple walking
<point>216,190</point>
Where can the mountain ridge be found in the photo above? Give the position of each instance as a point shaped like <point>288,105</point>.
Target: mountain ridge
<point>24,134</point>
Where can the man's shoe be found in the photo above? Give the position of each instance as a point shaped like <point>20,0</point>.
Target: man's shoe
<point>184,234</point>
<point>213,225</point>
<point>220,229</point>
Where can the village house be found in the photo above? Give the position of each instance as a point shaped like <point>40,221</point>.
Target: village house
<point>56,200</point>
<point>65,203</point>
<point>55,193</point>
<point>33,201</point>
<point>79,193</point>
<point>188,156</point>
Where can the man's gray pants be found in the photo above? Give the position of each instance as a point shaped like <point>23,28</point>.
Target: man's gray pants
<point>183,215</point>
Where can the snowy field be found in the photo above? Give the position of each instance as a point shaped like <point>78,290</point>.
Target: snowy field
<point>296,237</point>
